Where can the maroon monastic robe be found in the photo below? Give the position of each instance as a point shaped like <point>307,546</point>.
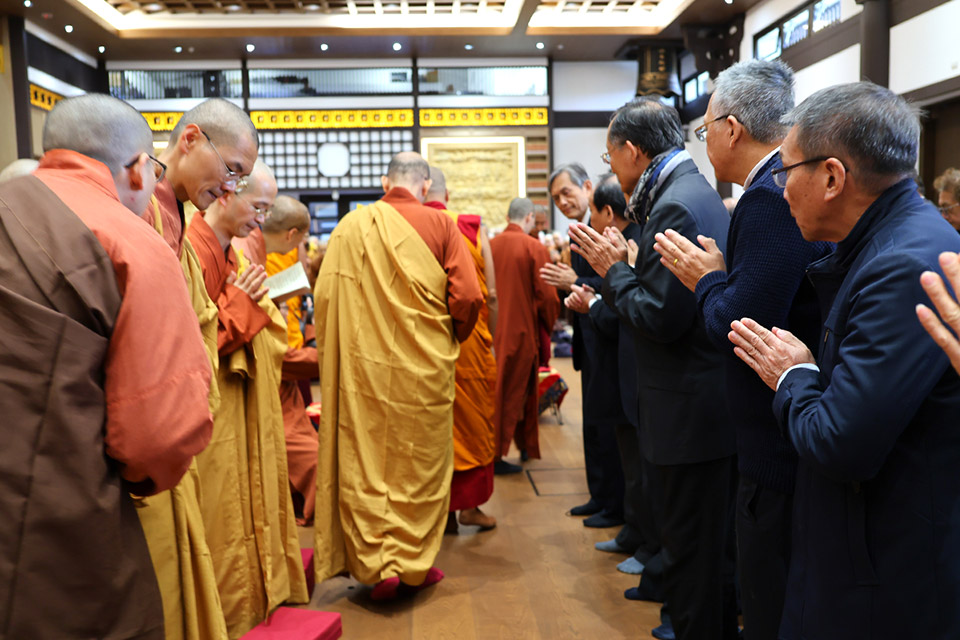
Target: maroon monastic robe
<point>524,301</point>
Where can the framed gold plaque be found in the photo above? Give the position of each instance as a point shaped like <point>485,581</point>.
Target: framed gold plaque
<point>483,173</point>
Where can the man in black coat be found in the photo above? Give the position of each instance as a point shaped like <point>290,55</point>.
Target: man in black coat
<point>874,418</point>
<point>685,429</point>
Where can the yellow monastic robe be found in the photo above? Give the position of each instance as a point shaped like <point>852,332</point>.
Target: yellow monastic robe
<point>171,520</point>
<point>277,262</point>
<point>387,355</point>
<point>251,528</point>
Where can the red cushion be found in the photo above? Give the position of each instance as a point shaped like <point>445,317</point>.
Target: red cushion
<point>297,624</point>
<point>307,556</point>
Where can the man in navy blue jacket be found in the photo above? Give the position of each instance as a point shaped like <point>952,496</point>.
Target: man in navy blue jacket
<point>685,429</point>
<point>876,418</point>
<point>764,277</point>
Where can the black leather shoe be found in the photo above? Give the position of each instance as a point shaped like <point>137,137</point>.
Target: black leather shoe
<point>586,509</point>
<point>603,520</point>
<point>502,468</point>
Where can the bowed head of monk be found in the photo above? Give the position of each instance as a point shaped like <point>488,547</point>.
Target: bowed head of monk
<point>286,225</point>
<point>111,131</point>
<point>213,146</point>
<point>410,171</point>
<point>235,215</point>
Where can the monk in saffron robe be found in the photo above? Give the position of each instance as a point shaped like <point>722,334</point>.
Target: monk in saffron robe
<point>396,291</point>
<point>525,301</point>
<point>275,246</point>
<point>250,525</point>
<point>474,434</point>
<point>103,380</point>
<point>198,171</point>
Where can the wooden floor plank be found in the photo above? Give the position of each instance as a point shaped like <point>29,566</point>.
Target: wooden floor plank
<point>536,576</point>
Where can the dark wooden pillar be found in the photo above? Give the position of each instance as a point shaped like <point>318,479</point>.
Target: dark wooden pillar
<point>875,41</point>
<point>21,86</point>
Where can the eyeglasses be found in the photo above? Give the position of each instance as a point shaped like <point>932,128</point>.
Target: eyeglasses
<point>701,131</point>
<point>232,179</point>
<point>260,215</point>
<point>159,169</point>
<point>780,175</point>
<point>605,156</point>
<point>946,207</point>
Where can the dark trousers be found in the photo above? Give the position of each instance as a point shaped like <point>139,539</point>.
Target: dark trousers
<point>763,543</point>
<point>698,576</point>
<point>641,500</point>
<point>601,457</point>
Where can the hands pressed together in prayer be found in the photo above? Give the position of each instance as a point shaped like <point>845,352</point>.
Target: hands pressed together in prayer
<point>579,298</point>
<point>687,261</point>
<point>768,352</point>
<point>558,275</point>
<point>602,251</point>
<point>945,304</point>
<point>251,282</point>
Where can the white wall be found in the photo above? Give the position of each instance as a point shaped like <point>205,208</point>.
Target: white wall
<point>924,50</point>
<point>839,68</point>
<point>593,86</point>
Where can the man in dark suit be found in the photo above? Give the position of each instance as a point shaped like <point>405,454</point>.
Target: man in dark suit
<point>684,426</point>
<point>618,376</point>
<point>571,190</point>
<point>763,276</point>
<point>874,419</point>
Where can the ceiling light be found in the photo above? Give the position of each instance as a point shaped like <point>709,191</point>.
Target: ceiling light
<point>540,45</point>
<point>728,1</point>
<point>312,7</point>
<point>468,47</point>
<point>27,3</point>
<point>233,7</point>
<point>177,49</point>
<point>397,46</point>
<point>250,48</point>
<point>101,49</point>
<point>324,46</point>
<point>68,28</point>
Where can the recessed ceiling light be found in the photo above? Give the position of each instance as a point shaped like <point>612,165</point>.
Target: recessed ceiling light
<point>324,46</point>
<point>397,46</point>
<point>177,49</point>
<point>312,7</point>
<point>101,49</point>
<point>27,3</point>
<point>728,1</point>
<point>68,28</point>
<point>233,7</point>
<point>560,46</point>
<point>468,47</point>
<point>250,48</point>
<point>540,45</point>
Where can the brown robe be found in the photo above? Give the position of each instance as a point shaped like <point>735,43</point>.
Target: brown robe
<point>524,301</point>
<point>103,380</point>
<point>298,364</point>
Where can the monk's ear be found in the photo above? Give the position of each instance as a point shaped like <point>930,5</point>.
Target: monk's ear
<point>189,138</point>
<point>134,173</point>
<point>385,183</point>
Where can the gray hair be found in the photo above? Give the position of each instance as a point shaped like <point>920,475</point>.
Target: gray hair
<point>408,167</point>
<point>650,125</point>
<point>519,209</point>
<point>578,175</point>
<point>100,127</point>
<point>758,93</point>
<point>220,119</point>
<point>863,124</point>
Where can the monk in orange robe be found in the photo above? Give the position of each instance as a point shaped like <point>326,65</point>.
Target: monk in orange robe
<point>250,526</point>
<point>103,379</point>
<point>474,434</point>
<point>211,148</point>
<point>396,291</point>
<point>525,301</point>
<point>275,246</point>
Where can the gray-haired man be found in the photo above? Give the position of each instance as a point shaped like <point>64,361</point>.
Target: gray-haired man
<point>876,538</point>
<point>763,277</point>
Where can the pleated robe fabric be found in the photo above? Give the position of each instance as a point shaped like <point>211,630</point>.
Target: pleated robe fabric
<point>298,363</point>
<point>474,433</point>
<point>250,525</point>
<point>387,358</point>
<point>172,521</point>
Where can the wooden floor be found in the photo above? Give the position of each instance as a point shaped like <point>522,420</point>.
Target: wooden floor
<point>536,575</point>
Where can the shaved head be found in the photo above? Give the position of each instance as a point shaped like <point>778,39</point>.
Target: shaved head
<point>287,213</point>
<point>17,168</point>
<point>223,121</point>
<point>260,178</point>
<point>438,185</point>
<point>408,167</point>
<point>519,209</point>
<point>100,127</point>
